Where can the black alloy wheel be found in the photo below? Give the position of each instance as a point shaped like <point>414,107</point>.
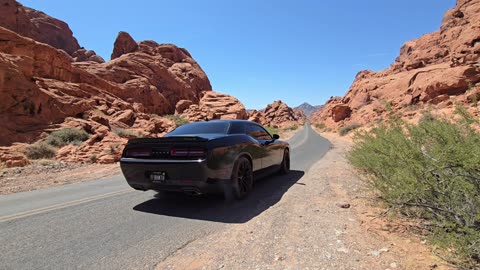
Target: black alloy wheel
<point>242,178</point>
<point>285,166</point>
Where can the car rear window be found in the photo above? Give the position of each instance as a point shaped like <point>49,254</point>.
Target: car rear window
<point>201,128</point>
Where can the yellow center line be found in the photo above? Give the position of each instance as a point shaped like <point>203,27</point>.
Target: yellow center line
<point>62,205</point>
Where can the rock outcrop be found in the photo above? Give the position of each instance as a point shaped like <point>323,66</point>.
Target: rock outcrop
<point>37,26</point>
<point>439,69</point>
<point>155,75</point>
<point>123,44</point>
<point>213,105</point>
<point>278,115</point>
<point>40,91</point>
<point>48,85</point>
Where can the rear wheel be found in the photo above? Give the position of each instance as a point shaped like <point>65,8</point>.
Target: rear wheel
<point>242,178</point>
<point>285,165</point>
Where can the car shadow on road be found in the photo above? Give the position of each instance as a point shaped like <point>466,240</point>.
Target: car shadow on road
<point>267,192</point>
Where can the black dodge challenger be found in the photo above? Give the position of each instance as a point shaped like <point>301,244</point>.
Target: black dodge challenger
<point>205,157</point>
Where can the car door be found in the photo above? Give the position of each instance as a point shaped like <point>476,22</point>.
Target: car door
<point>264,142</point>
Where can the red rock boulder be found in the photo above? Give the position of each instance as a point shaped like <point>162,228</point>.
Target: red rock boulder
<point>215,105</point>
<point>280,115</point>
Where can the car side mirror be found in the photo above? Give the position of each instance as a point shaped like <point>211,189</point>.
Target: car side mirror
<point>276,136</point>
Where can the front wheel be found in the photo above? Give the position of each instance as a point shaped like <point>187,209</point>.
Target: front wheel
<point>242,178</point>
<point>285,165</point>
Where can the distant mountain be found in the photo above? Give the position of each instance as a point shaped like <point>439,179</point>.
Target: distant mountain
<point>307,108</point>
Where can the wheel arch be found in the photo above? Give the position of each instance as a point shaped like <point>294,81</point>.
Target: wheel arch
<point>246,155</point>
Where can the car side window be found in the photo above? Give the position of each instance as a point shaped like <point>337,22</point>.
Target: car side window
<point>237,128</point>
<point>258,133</point>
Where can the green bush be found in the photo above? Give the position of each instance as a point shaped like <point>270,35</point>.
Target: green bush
<point>294,127</point>
<point>429,171</point>
<point>177,119</point>
<point>124,133</point>
<point>39,151</point>
<point>66,136</point>
<point>320,126</point>
<point>346,129</point>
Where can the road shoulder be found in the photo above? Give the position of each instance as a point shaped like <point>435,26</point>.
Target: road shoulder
<point>325,221</point>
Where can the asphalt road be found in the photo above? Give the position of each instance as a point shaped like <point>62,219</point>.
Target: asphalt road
<point>104,224</point>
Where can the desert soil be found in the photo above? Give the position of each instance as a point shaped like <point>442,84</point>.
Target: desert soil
<point>327,220</point>
<point>49,173</point>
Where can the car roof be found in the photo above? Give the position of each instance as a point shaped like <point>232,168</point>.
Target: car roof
<point>229,121</point>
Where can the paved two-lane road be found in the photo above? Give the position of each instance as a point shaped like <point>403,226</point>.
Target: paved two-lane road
<point>104,224</point>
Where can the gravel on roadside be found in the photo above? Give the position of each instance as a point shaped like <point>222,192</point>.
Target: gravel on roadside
<point>324,221</point>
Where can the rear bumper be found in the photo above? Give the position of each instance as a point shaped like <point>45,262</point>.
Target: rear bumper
<point>181,175</point>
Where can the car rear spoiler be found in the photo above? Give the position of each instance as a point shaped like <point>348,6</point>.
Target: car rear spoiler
<point>167,139</point>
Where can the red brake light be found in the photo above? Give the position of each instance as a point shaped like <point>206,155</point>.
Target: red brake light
<point>138,153</point>
<point>187,152</point>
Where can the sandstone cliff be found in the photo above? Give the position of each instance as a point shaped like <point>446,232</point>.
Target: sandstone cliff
<point>438,70</point>
<point>48,82</point>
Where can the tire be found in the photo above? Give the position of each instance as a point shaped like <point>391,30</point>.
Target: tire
<point>285,165</point>
<point>242,178</point>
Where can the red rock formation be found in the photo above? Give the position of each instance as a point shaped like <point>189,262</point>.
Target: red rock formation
<point>42,89</point>
<point>39,86</point>
<point>440,69</point>
<point>182,105</point>
<point>123,44</point>
<point>37,25</point>
<point>82,55</point>
<point>215,105</point>
<point>278,115</point>
<point>154,75</point>
<point>256,116</point>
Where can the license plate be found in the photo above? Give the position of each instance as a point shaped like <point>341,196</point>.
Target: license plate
<point>158,177</point>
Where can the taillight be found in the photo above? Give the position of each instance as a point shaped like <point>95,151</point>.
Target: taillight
<point>138,153</point>
<point>187,152</point>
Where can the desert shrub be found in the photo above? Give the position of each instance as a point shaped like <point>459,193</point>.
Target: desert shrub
<point>39,151</point>
<point>294,127</point>
<point>427,116</point>
<point>46,162</point>
<point>124,133</point>
<point>320,126</point>
<point>66,136</point>
<point>346,129</point>
<point>429,171</point>
<point>93,158</point>
<point>113,149</point>
<point>177,119</point>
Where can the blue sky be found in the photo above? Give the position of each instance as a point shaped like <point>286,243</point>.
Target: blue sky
<point>262,50</point>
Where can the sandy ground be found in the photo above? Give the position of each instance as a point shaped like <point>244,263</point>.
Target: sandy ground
<point>327,220</point>
<point>49,173</point>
